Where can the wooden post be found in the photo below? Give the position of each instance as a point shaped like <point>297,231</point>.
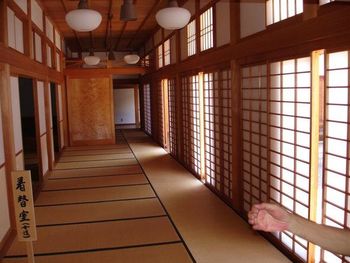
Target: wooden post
<point>24,210</point>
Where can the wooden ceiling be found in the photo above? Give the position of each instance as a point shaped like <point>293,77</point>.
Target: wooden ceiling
<point>120,35</point>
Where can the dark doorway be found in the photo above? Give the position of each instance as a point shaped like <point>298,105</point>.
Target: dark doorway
<point>30,151</point>
<point>54,119</point>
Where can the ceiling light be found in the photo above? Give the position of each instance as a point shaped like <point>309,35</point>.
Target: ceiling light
<point>131,59</point>
<point>83,19</point>
<point>173,17</point>
<point>91,59</point>
<point>127,11</point>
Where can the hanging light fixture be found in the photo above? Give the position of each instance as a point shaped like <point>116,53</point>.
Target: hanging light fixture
<point>91,59</point>
<point>83,19</point>
<point>127,11</point>
<point>131,59</point>
<point>173,17</point>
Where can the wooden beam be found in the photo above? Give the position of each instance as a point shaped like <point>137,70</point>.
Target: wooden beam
<point>23,65</point>
<point>152,10</point>
<point>120,37</point>
<point>91,73</point>
<point>109,26</point>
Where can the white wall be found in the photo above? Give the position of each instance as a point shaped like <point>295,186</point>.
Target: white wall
<point>252,18</point>
<point>124,106</point>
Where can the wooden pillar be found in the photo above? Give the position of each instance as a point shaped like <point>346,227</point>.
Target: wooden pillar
<point>9,142</point>
<point>3,22</point>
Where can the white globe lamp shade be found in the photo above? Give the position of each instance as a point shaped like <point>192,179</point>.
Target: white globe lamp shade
<point>83,20</point>
<point>172,18</point>
<point>131,59</point>
<point>91,60</point>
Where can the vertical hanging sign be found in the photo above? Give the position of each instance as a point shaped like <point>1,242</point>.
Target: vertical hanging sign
<point>24,209</point>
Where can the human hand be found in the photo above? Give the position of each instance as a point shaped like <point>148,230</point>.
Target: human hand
<point>269,217</point>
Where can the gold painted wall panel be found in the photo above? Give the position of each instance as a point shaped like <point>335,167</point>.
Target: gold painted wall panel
<point>90,111</point>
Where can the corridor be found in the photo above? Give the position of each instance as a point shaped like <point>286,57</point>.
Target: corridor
<point>132,202</point>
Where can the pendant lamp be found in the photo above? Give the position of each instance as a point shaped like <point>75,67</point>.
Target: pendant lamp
<point>91,59</point>
<point>83,19</point>
<point>131,59</point>
<point>173,17</point>
<point>127,11</point>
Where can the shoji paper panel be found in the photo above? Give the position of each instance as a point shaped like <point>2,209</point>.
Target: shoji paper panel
<point>160,106</point>
<point>252,15</point>
<point>23,5</point>
<point>191,123</point>
<point>49,56</point>
<point>20,161</point>
<point>212,134</point>
<point>37,15</point>
<point>14,31</point>
<point>11,37</point>
<point>38,49</point>
<point>16,114</point>
<point>336,198</point>
<point>147,108</point>
<point>223,29</point>
<point>58,62</point>
<point>60,103</point>
<point>57,40</point>
<point>49,29</point>
<point>41,107</point>
<point>172,117</point>
<point>254,135</point>
<point>290,136</point>
<point>19,35</point>
<point>44,154</point>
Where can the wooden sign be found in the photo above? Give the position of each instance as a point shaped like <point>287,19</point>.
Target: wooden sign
<point>24,206</point>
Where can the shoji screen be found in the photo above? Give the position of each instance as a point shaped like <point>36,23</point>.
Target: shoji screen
<point>147,108</point>
<point>160,106</point>
<point>217,131</point>
<point>60,115</point>
<point>336,196</point>
<point>289,140</point>
<point>254,133</point>
<point>42,126</point>
<point>172,117</point>
<point>191,123</point>
<point>17,125</point>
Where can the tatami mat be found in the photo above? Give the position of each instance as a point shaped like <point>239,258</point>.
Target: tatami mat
<point>94,195</point>
<point>98,212</point>
<point>96,157</point>
<point>98,171</point>
<point>212,231</point>
<point>98,206</point>
<point>124,149</point>
<point>100,181</point>
<point>92,164</point>
<point>82,237</point>
<point>166,253</point>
